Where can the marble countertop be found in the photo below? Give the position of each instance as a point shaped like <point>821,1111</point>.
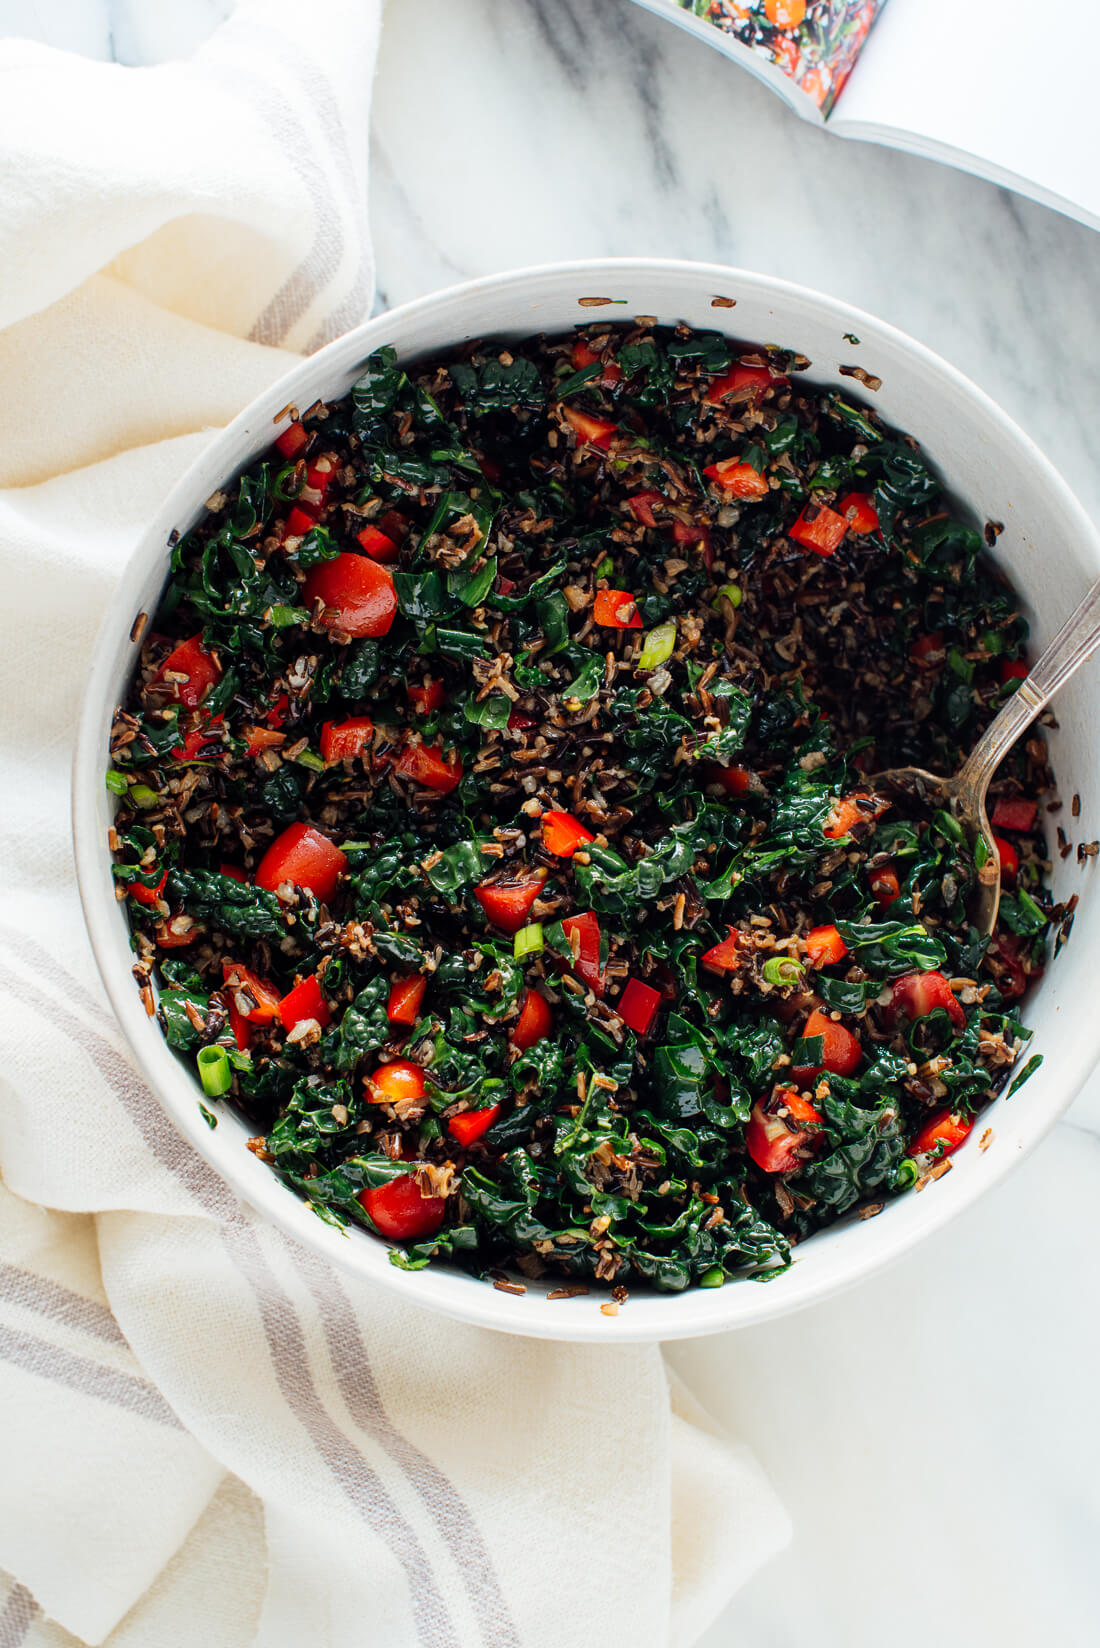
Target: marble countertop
<point>935,1433</point>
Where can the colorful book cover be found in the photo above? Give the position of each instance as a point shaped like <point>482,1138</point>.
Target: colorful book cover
<point>814,42</point>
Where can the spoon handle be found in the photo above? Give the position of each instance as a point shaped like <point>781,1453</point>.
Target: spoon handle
<point>1077,640</point>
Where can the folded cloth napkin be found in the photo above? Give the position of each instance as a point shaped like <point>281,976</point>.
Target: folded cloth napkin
<point>212,1436</point>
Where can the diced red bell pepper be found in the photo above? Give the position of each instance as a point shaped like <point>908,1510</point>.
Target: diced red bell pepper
<point>299,522</point>
<point>427,698</point>
<point>468,1126</point>
<point>615,609</point>
<point>243,1031</point>
<point>562,834</point>
<point>343,740</point>
<point>194,746</point>
<point>319,477</point>
<point>427,765</point>
<point>168,939</point>
<point>258,739</point>
<point>884,884</point>
<point>819,528</point>
<point>406,995</point>
<point>358,594</point>
<point>689,532</point>
<point>292,440</point>
<point>305,1001</point>
<point>507,904</point>
<point>147,895</point>
<point>534,1021</point>
<point>640,505</point>
<point>1010,860</point>
<point>233,871</point>
<point>638,1006</point>
<point>400,1079</point>
<point>917,994</point>
<point>754,378</point>
<point>841,1052</point>
<point>519,722</point>
<point>1013,813</point>
<point>590,431</point>
<point>847,812</point>
<point>376,544</point>
<point>928,651</point>
<point>583,933</point>
<point>859,511</point>
<point>305,858</point>
<point>734,780</point>
<point>724,957</point>
<point>198,667</point>
<point>739,479</point>
<point>400,1211</point>
<point>942,1135</point>
<point>279,710</point>
<point>254,997</point>
<point>781,1130</point>
<point>825,947</point>
<point>393,524</point>
<point>583,355</point>
<point>1014,669</point>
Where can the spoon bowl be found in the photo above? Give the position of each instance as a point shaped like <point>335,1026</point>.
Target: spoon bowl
<point>964,794</point>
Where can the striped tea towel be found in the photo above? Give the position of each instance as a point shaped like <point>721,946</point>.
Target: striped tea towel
<point>211,1437</point>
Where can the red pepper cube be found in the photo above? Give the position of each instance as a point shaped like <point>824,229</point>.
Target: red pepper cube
<point>428,697</point>
<point>942,1135</point>
<point>304,1002</point>
<point>584,937</point>
<point>253,997</point>
<point>739,479</point>
<point>429,767</point>
<point>640,506</point>
<point>406,995</point>
<point>742,378</point>
<point>915,995</point>
<point>724,957</point>
<point>377,545</point>
<point>1009,858</point>
<point>819,528</point>
<point>305,858</point>
<point>469,1125</point>
<point>825,947</point>
<point>343,740</point>
<point>590,431</point>
<point>292,440</point>
<point>562,834</point>
<point>638,1006</point>
<point>507,904</point>
<point>147,895</point>
<point>534,1021</point>
<point>616,609</point>
<point>782,1130</point>
<point>841,1051</point>
<point>858,509</point>
<point>299,522</point>
<point>198,668</point>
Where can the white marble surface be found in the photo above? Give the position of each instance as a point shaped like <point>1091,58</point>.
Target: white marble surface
<point>936,1433</point>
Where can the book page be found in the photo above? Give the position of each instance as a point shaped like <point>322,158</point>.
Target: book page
<point>1007,88</point>
<point>805,47</point>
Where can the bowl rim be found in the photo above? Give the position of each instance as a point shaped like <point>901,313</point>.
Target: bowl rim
<point>695,1312</point>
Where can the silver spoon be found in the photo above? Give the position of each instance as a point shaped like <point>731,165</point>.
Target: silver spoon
<point>964,794</point>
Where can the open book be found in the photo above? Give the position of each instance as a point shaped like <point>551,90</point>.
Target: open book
<point>1003,88</point>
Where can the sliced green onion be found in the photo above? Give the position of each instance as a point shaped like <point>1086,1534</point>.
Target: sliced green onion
<point>142,796</point>
<point>310,759</point>
<point>782,970</point>
<point>728,592</point>
<point>714,1277</point>
<point>208,1117</point>
<point>961,665</point>
<point>528,941</point>
<point>117,782</point>
<point>605,568</point>
<point>658,646</point>
<point>215,1071</point>
<point>947,825</point>
<point>906,1174</point>
<point>994,642</point>
<point>981,852</point>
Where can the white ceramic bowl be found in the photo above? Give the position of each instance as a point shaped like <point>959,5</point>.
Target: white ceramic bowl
<point>1050,551</point>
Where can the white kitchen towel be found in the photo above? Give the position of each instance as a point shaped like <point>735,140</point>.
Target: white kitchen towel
<point>210,1436</point>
